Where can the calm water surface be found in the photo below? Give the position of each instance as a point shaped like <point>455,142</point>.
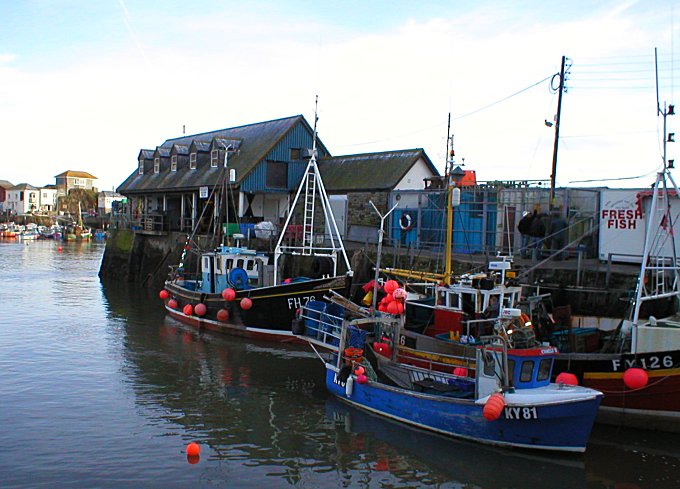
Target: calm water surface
<point>99,389</point>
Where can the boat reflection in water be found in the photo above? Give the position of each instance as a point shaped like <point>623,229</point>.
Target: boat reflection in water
<point>445,460</point>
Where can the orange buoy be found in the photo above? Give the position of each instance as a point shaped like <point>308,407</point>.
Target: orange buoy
<point>390,286</point>
<point>164,294</point>
<point>223,315</point>
<point>188,310</point>
<point>635,378</point>
<point>229,294</point>
<point>393,308</point>
<point>193,449</point>
<point>566,378</point>
<point>200,309</point>
<point>493,407</point>
<point>360,370</point>
<point>246,303</point>
<point>172,304</point>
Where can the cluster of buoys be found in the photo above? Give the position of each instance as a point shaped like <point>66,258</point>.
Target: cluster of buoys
<point>395,296</point>
<point>201,309</point>
<point>493,407</point>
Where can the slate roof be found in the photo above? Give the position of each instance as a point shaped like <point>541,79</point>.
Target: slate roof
<point>370,171</point>
<point>258,140</point>
<point>24,186</point>
<point>76,174</point>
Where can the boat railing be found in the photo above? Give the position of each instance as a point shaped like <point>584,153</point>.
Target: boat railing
<point>322,323</point>
<point>475,328</point>
<point>459,365</point>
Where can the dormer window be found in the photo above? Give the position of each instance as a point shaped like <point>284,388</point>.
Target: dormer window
<point>214,154</point>
<point>295,154</point>
<point>173,163</point>
<point>156,165</point>
<point>141,167</point>
<point>192,161</point>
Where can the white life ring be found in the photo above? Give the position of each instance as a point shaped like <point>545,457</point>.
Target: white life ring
<point>406,222</point>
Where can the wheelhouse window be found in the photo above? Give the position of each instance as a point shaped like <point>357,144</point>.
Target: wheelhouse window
<point>192,161</point>
<point>277,174</point>
<point>141,167</point>
<point>527,371</point>
<point>214,155</point>
<point>156,165</point>
<point>173,163</point>
<point>544,369</point>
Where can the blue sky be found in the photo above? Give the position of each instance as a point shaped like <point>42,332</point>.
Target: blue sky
<point>85,85</point>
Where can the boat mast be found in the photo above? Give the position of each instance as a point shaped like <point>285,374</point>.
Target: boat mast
<point>312,185</point>
<point>658,225</point>
<point>449,207</point>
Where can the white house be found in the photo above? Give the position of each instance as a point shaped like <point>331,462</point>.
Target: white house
<point>23,198</point>
<point>48,198</point>
<point>106,199</point>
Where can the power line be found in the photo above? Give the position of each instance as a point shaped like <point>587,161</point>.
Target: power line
<point>503,99</point>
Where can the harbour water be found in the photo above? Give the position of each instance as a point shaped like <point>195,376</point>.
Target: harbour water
<point>99,389</point>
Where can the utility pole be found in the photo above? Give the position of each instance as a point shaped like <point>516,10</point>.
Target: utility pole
<point>557,134</point>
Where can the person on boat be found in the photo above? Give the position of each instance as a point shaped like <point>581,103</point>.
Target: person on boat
<point>524,228</point>
<point>537,233</point>
<point>558,233</point>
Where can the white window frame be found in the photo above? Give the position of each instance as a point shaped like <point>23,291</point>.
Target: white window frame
<point>173,163</point>
<point>192,161</point>
<point>214,156</point>
<point>141,167</point>
<point>156,165</point>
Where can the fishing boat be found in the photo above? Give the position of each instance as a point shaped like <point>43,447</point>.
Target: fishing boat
<point>503,397</point>
<point>240,291</point>
<point>638,369</point>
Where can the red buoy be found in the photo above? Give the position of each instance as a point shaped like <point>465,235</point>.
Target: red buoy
<point>566,378</point>
<point>393,308</point>
<point>164,294</point>
<point>223,315</point>
<point>360,370</point>
<point>493,407</point>
<point>188,310</point>
<point>361,379</point>
<point>246,303</point>
<point>193,449</point>
<point>172,304</point>
<point>229,294</point>
<point>390,286</point>
<point>635,378</point>
<point>200,309</point>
